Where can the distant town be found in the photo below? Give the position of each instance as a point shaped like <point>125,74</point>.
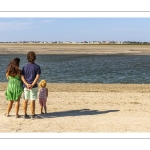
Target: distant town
<point>84,42</point>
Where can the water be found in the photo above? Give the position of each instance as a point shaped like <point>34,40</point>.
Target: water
<point>87,68</point>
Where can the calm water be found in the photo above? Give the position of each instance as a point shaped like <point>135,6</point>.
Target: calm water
<point>87,68</point>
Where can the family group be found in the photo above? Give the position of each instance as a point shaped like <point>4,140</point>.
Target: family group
<point>24,82</point>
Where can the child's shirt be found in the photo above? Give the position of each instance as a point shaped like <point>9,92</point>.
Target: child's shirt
<point>42,93</point>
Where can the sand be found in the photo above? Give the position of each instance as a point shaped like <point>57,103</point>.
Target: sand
<point>75,49</point>
<point>80,108</point>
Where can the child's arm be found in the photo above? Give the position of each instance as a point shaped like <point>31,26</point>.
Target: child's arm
<point>46,92</point>
<point>38,92</point>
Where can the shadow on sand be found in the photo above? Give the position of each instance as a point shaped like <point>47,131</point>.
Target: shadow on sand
<point>80,112</point>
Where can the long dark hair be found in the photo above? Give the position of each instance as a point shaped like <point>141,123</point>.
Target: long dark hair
<point>13,67</point>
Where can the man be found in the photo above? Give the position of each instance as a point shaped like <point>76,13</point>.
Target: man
<point>30,75</point>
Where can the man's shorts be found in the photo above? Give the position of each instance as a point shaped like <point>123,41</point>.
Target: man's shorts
<point>30,94</point>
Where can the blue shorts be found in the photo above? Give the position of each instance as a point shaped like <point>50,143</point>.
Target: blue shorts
<point>30,94</point>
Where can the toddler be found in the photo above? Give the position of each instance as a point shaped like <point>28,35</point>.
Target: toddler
<point>43,94</point>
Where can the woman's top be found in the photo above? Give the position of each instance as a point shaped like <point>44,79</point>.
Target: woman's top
<point>42,93</point>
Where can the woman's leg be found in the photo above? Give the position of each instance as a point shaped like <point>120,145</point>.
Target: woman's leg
<point>17,105</point>
<point>9,107</point>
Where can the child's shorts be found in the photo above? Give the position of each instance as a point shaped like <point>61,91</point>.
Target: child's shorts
<point>42,101</point>
<point>30,94</point>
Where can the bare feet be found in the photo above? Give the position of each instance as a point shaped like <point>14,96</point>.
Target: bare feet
<point>7,115</point>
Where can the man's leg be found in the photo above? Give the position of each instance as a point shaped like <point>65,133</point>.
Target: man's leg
<point>33,97</point>
<point>32,107</point>
<point>25,104</point>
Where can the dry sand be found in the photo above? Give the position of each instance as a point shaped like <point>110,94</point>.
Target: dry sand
<point>85,108</point>
<point>75,49</point>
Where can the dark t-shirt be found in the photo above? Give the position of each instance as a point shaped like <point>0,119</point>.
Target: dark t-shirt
<point>29,72</point>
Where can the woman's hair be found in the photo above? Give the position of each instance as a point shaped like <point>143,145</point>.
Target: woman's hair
<point>13,67</point>
<point>42,83</point>
<point>31,56</point>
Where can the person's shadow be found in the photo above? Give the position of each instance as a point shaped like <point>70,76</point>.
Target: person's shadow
<point>80,112</point>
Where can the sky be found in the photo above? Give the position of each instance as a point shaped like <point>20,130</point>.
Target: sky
<point>74,29</point>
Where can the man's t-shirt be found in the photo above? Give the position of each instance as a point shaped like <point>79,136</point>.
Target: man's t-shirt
<point>29,72</point>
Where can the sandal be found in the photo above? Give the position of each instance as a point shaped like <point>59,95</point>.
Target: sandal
<point>26,116</point>
<point>35,116</point>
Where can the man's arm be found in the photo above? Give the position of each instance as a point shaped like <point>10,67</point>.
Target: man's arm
<point>35,80</point>
<point>25,82</point>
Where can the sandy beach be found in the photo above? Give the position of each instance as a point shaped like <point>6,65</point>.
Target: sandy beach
<point>85,108</point>
<point>75,49</point>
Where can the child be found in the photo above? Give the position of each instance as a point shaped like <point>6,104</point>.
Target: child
<point>14,89</point>
<point>43,94</point>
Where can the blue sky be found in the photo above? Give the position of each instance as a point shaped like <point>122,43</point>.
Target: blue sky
<point>74,29</point>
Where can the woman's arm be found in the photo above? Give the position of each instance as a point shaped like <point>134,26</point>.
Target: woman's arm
<point>7,76</point>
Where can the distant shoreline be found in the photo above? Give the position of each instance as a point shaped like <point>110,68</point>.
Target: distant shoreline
<point>94,49</point>
<point>72,44</point>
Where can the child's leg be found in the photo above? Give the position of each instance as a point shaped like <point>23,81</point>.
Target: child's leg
<point>45,109</point>
<point>41,109</point>
<point>41,104</point>
<point>44,105</point>
<point>9,107</point>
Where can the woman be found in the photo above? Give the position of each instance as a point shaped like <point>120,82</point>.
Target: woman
<point>14,89</point>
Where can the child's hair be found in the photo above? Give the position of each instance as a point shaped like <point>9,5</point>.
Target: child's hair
<point>31,56</point>
<point>13,67</point>
<point>42,83</point>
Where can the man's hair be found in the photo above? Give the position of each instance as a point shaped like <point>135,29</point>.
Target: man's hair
<point>31,56</point>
